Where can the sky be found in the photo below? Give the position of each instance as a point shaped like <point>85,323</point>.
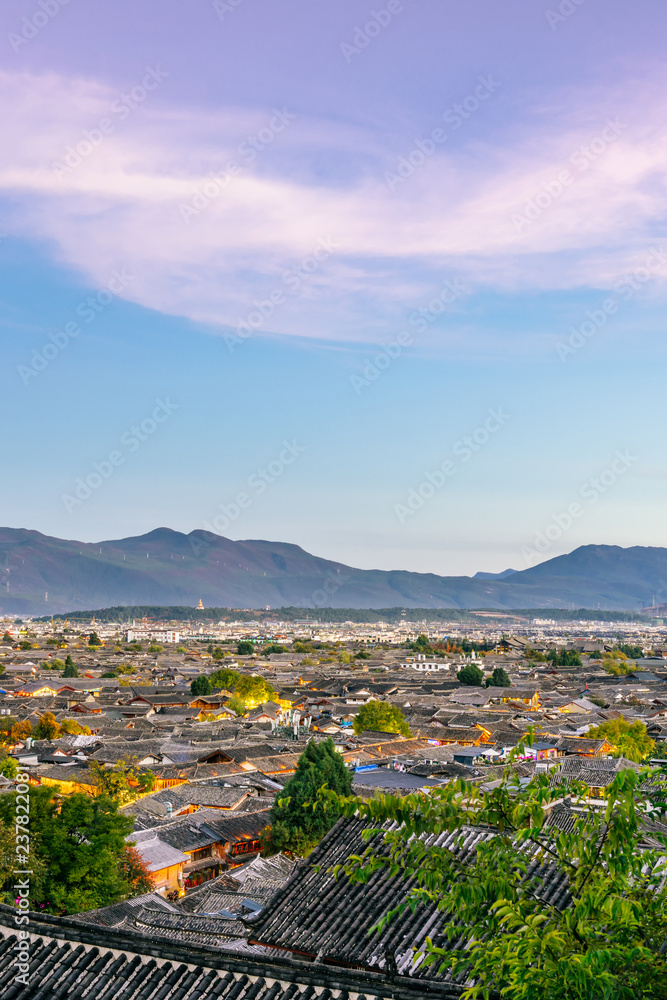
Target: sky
<point>385,281</point>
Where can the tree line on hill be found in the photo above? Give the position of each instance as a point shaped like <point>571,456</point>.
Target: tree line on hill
<point>392,616</point>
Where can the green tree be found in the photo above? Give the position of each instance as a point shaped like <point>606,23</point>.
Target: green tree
<point>422,644</point>
<point>236,704</point>
<point>123,782</point>
<point>632,652</point>
<point>146,780</point>
<point>225,678</point>
<point>630,738</point>
<point>299,819</point>
<point>274,647</point>
<point>245,648</point>
<point>155,647</point>
<point>471,675</point>
<point>70,667</point>
<point>56,664</point>
<point>94,639</point>
<point>616,664</point>
<point>362,655</point>
<point>599,937</point>
<point>200,686</point>
<point>499,678</point>
<point>218,653</point>
<point>77,850</point>
<point>9,767</point>
<point>380,717</point>
<point>47,728</point>
<point>253,690</point>
<point>564,658</point>
<point>533,654</point>
<point>7,639</point>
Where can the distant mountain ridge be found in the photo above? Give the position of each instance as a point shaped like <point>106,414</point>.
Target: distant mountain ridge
<point>40,574</point>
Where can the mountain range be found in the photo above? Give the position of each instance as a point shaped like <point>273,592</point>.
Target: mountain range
<point>41,575</point>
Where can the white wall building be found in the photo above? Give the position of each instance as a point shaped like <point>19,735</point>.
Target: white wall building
<point>426,666</point>
<point>152,635</point>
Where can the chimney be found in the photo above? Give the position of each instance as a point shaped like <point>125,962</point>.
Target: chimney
<point>170,809</point>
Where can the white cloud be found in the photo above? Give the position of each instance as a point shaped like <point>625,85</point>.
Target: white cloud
<point>456,214</point>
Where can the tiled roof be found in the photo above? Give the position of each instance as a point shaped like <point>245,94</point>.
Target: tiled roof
<point>70,960</point>
<point>112,916</point>
<point>155,852</point>
<point>319,914</point>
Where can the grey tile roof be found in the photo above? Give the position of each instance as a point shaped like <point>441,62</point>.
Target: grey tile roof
<point>117,913</point>
<point>71,960</point>
<point>157,853</point>
<point>316,913</point>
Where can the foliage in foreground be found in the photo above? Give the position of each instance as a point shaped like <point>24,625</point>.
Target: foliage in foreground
<point>78,854</point>
<point>607,944</point>
<point>300,817</point>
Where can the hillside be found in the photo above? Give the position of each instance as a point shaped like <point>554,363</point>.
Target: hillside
<point>40,574</point>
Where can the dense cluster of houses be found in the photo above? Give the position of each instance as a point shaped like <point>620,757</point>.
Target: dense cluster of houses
<point>216,772</point>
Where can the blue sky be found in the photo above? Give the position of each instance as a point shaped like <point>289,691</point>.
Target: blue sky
<point>335,241</point>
